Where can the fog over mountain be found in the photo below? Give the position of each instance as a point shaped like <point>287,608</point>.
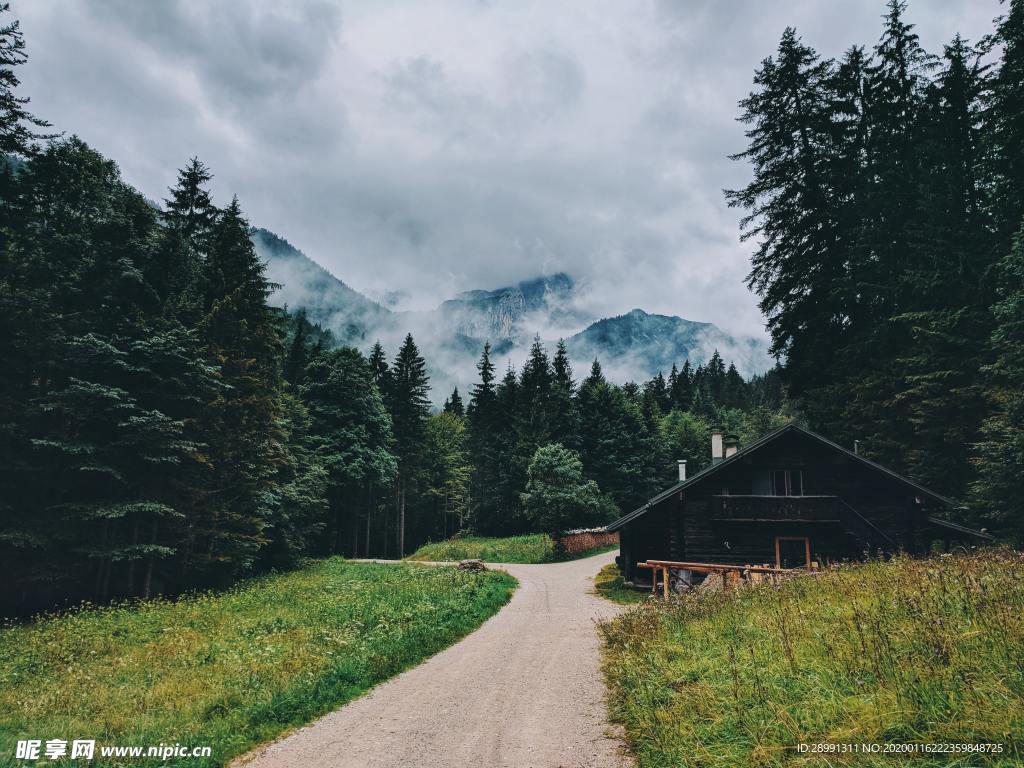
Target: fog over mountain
<point>630,347</point>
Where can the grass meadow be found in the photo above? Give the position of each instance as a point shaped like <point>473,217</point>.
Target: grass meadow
<point>901,652</point>
<point>609,585</point>
<point>233,669</point>
<point>530,548</point>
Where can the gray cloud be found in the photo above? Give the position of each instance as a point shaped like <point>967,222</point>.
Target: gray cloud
<point>431,147</point>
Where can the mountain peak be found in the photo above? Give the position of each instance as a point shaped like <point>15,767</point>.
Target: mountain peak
<point>499,314</point>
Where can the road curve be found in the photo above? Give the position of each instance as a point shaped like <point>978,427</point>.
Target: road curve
<point>522,691</point>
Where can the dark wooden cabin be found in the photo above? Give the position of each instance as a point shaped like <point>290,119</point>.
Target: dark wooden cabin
<point>788,499</point>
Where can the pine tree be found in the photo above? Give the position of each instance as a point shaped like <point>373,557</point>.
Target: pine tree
<point>948,291</point>
<point>616,448</point>
<point>657,390</point>
<point>562,417</point>
<point>297,518</point>
<point>297,357</point>
<point>409,405</point>
<point>189,217</point>
<point>671,387</point>
<point>734,390</point>
<point>243,424</point>
<point>379,369</point>
<point>897,78</point>
<point>352,435</point>
<point>532,416</point>
<point>453,404</point>
<point>511,470</point>
<point>715,378</point>
<point>789,206</point>
<point>18,127</point>
<point>681,393</point>
<point>483,421</point>
<point>448,472</point>
<point>1005,118</point>
<point>1000,483</point>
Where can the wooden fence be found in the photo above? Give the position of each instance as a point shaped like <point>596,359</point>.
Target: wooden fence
<point>731,575</point>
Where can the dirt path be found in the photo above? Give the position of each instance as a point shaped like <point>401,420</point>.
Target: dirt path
<point>523,691</point>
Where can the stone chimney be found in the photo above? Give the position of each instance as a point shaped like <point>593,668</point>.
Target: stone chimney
<point>732,444</point>
<point>682,469</point>
<point>717,448</point>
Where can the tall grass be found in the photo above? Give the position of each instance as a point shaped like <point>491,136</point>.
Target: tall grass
<point>608,584</point>
<point>906,651</point>
<point>233,669</point>
<point>531,548</point>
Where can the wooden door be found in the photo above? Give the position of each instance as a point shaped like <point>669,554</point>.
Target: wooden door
<point>792,552</point>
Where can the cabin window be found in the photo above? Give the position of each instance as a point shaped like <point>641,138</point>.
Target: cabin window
<point>787,482</point>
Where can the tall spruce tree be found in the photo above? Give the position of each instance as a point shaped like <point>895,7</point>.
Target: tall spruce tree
<point>1000,483</point>
<point>532,416</point>
<point>298,355</point>
<point>657,391</point>
<point>617,450</point>
<point>562,416</point>
<point>19,132</point>
<point>453,404</point>
<point>1005,121</point>
<point>409,405</point>
<point>379,369</point>
<point>447,474</point>
<point>511,470</point>
<point>681,393</point>
<point>243,424</point>
<point>352,435</point>
<point>789,206</point>
<point>483,419</point>
<point>949,289</point>
<point>297,516</point>
<point>189,216</point>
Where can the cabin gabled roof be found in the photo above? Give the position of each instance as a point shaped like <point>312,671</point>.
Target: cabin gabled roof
<point>769,438</point>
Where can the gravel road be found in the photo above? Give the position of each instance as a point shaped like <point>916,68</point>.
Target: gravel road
<point>523,691</point>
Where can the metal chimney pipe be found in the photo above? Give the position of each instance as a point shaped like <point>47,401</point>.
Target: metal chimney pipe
<point>682,469</point>
<point>732,444</point>
<point>717,448</point>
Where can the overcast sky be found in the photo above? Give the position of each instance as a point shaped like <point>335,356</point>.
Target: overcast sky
<point>429,147</point>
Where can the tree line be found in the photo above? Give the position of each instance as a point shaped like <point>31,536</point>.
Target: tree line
<point>886,202</point>
<point>467,466</point>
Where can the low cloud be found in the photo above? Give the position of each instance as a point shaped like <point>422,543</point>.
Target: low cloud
<point>421,149</point>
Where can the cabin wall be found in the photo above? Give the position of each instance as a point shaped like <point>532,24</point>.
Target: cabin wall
<point>656,535</point>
